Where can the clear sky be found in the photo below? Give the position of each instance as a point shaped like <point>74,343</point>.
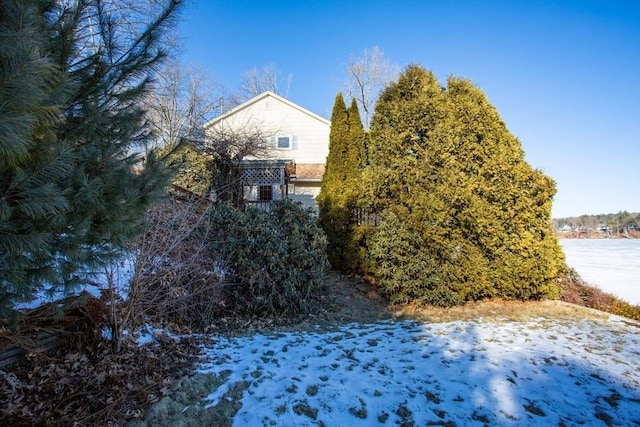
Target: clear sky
<point>564,75</point>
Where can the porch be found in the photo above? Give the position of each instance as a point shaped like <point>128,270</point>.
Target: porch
<point>264,181</point>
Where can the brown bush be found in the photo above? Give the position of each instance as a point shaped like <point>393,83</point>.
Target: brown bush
<point>574,290</point>
<point>174,279</point>
<point>67,387</point>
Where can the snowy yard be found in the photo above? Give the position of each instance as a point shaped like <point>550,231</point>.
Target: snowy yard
<point>613,265</point>
<point>539,372</point>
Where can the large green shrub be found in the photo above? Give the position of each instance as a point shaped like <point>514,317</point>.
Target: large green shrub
<point>466,217</point>
<point>407,267</point>
<point>274,262</point>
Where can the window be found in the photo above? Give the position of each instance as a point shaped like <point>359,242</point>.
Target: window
<point>265,193</point>
<point>285,142</point>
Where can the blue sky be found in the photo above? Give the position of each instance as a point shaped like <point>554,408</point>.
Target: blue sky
<point>564,75</point>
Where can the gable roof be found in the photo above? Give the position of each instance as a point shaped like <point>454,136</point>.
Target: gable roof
<point>260,97</point>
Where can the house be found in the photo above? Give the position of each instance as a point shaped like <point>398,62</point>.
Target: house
<point>297,142</point>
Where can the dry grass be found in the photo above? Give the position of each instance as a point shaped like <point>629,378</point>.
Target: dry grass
<point>497,310</point>
<point>351,299</point>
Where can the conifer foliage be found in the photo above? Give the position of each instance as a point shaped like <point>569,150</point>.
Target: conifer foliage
<point>464,216</point>
<point>341,185</point>
<point>72,76</point>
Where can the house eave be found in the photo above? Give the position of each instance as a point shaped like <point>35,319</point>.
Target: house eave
<point>259,97</point>
<point>293,179</point>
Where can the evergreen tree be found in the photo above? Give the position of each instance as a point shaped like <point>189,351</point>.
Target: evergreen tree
<point>331,216</point>
<point>357,159</point>
<point>32,161</point>
<point>193,168</point>
<point>357,148</point>
<point>341,184</point>
<point>73,76</point>
<point>407,116</point>
<point>450,176</point>
<point>508,213</point>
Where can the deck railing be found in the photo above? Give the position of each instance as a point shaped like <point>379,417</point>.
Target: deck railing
<point>258,204</point>
<point>365,216</point>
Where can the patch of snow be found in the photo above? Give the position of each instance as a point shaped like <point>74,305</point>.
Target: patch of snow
<point>471,373</point>
<point>119,273</point>
<point>146,335</point>
<point>107,333</point>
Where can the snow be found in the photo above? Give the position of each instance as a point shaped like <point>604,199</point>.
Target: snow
<point>147,334</point>
<point>469,373</point>
<point>613,265</point>
<point>119,273</point>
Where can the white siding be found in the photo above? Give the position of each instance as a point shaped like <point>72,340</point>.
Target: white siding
<point>274,116</point>
<point>305,193</point>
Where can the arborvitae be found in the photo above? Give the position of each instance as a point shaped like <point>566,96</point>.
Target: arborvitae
<point>357,148</point>
<point>331,216</point>
<point>72,189</point>
<point>334,170</point>
<point>405,119</point>
<point>193,168</point>
<point>507,216</point>
<point>341,184</point>
<point>355,201</point>
<point>472,216</point>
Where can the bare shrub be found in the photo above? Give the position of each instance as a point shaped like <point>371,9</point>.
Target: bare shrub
<point>574,290</point>
<point>173,280</point>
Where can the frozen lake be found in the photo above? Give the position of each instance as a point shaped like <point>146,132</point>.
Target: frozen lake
<point>613,265</point>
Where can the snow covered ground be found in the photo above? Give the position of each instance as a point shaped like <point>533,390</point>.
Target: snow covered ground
<point>538,372</point>
<point>613,265</point>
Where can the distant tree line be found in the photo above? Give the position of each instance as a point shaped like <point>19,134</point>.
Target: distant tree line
<point>619,222</point>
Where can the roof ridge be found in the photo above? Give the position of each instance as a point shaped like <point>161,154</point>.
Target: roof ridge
<point>259,97</point>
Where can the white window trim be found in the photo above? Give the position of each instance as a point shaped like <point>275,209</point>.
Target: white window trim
<point>293,142</point>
